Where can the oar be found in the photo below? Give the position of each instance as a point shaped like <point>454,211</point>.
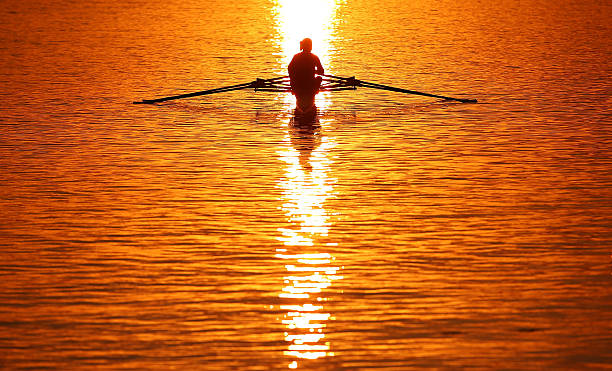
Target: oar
<point>197,93</point>
<point>259,84</point>
<point>351,81</point>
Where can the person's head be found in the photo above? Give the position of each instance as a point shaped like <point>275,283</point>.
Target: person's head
<point>306,45</point>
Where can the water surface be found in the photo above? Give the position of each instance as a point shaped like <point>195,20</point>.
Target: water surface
<point>401,232</point>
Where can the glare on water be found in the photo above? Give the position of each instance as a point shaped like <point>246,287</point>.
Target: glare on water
<point>310,269</point>
<point>297,20</point>
<point>300,19</point>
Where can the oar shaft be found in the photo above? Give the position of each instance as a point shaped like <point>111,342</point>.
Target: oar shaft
<point>259,84</point>
<point>351,81</point>
<point>400,90</point>
<point>196,94</point>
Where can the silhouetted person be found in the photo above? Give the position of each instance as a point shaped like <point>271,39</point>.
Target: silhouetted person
<point>302,70</point>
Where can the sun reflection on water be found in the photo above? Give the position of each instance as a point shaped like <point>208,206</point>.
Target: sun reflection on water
<point>311,268</point>
<point>299,19</point>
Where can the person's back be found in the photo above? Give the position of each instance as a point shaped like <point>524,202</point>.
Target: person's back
<point>303,68</point>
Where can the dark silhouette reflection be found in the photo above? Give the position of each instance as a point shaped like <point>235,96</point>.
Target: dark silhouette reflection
<point>304,130</point>
<point>302,70</point>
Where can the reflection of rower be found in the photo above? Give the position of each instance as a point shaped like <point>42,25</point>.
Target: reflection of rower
<point>302,70</point>
<point>305,137</point>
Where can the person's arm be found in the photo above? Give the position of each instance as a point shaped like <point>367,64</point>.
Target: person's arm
<point>319,68</point>
<point>291,67</point>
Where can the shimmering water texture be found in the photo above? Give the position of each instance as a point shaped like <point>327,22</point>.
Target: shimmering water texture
<point>221,232</point>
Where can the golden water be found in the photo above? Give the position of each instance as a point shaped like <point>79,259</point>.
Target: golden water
<point>402,232</point>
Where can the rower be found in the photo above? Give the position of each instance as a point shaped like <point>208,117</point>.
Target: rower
<point>302,70</point>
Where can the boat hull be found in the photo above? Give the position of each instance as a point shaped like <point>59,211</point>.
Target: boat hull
<point>305,92</point>
<point>308,116</point>
<point>305,102</point>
